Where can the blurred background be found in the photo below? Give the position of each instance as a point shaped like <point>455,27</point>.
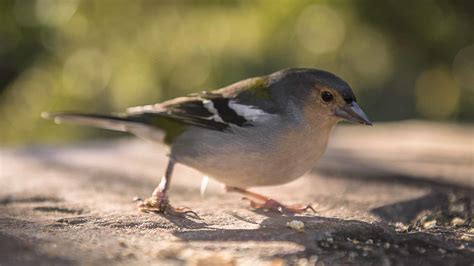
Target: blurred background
<point>404,59</point>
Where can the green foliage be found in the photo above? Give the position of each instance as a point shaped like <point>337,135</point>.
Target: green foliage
<point>404,59</point>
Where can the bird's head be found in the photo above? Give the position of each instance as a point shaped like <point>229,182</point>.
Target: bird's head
<point>321,93</point>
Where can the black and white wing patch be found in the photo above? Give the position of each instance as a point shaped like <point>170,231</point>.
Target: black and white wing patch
<point>208,110</point>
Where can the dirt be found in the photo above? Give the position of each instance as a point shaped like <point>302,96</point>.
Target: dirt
<point>394,194</point>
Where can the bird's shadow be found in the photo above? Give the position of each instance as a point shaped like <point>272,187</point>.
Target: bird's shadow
<point>333,240</point>
<point>441,193</point>
<point>318,229</point>
<point>185,221</point>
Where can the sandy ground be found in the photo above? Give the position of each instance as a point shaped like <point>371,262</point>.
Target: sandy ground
<point>398,193</point>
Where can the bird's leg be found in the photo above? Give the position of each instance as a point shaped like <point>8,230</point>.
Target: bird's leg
<point>159,202</point>
<point>258,201</point>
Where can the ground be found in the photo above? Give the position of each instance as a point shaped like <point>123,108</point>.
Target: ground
<point>396,193</point>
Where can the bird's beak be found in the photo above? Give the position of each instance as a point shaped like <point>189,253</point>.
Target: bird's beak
<point>352,112</point>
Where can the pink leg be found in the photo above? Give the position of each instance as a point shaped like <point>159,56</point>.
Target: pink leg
<point>258,201</point>
<point>159,201</point>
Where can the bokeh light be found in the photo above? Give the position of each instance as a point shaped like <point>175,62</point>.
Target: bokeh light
<point>104,56</point>
<point>85,72</point>
<point>320,29</point>
<point>463,67</point>
<point>437,94</point>
<point>55,12</point>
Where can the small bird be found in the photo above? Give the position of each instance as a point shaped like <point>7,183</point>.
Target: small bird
<point>261,131</point>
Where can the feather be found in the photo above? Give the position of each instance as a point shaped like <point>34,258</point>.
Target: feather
<point>250,113</point>
<point>95,120</point>
<point>238,104</point>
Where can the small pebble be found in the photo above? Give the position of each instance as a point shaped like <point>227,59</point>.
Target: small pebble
<point>401,227</point>
<point>429,224</point>
<point>324,244</point>
<point>442,251</point>
<point>369,241</point>
<point>313,259</point>
<point>367,248</point>
<point>307,261</point>
<point>301,262</point>
<point>404,252</point>
<point>452,197</point>
<point>421,250</point>
<point>137,198</point>
<point>457,221</point>
<point>459,208</point>
<point>386,245</point>
<point>352,254</point>
<point>212,260</point>
<point>277,262</point>
<point>330,240</point>
<point>296,225</point>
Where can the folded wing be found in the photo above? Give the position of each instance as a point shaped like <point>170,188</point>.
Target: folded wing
<point>241,104</point>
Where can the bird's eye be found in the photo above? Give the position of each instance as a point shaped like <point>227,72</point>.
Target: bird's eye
<point>327,96</point>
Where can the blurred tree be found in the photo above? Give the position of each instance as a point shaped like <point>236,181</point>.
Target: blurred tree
<point>20,45</point>
<point>409,59</point>
<point>427,35</point>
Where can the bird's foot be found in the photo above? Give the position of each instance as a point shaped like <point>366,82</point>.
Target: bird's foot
<point>159,203</point>
<point>261,202</point>
<point>273,205</point>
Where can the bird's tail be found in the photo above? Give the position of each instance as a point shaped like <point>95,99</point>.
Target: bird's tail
<point>111,122</point>
<point>138,124</point>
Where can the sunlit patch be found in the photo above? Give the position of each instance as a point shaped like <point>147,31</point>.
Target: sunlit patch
<point>25,104</point>
<point>55,12</point>
<point>320,29</point>
<point>463,67</point>
<point>204,183</point>
<point>86,71</point>
<point>134,78</point>
<point>369,56</point>
<point>191,72</point>
<point>437,94</point>
<point>25,13</point>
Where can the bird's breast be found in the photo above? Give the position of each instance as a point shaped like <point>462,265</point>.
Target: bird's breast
<point>299,150</point>
<point>247,158</point>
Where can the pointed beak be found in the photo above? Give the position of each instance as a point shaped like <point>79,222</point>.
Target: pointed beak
<point>352,112</point>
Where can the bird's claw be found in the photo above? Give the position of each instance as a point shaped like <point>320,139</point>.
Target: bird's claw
<point>159,203</point>
<point>273,205</point>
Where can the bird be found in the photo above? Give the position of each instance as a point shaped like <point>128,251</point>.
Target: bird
<point>261,131</point>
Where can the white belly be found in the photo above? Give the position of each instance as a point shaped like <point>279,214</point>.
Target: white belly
<point>251,160</point>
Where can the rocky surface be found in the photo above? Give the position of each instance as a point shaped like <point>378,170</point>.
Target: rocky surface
<point>396,193</point>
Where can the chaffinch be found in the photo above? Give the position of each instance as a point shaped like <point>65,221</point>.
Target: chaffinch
<point>260,131</point>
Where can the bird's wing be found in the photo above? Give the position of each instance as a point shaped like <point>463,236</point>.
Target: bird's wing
<point>240,104</point>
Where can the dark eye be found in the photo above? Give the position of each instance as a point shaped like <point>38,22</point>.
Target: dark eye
<point>327,96</point>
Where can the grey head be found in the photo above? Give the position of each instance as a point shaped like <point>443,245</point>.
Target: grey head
<point>322,90</point>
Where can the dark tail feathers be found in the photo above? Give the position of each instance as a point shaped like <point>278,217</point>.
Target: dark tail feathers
<point>96,120</point>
